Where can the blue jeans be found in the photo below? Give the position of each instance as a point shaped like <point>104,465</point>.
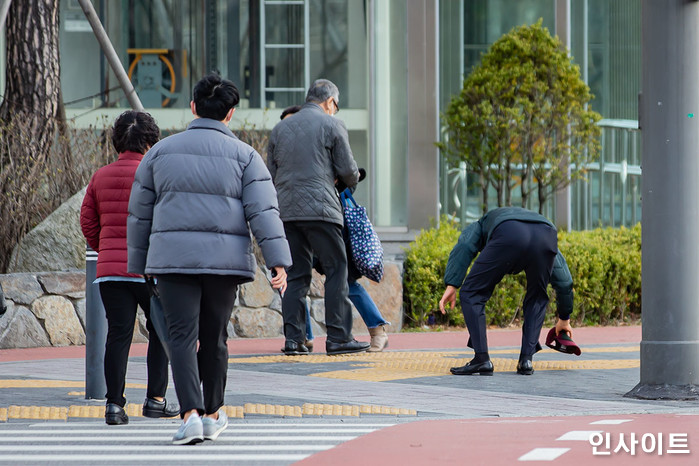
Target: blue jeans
<point>365,306</point>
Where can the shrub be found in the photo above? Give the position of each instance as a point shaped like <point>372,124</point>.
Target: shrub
<point>605,265</point>
<point>425,263</point>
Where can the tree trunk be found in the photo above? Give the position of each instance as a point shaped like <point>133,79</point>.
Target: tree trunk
<point>33,71</point>
<point>27,115</point>
<point>542,196</point>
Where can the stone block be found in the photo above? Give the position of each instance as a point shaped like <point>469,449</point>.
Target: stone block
<point>70,284</point>
<point>59,320</point>
<point>388,295</point>
<point>258,293</point>
<point>21,288</point>
<point>55,244</point>
<point>20,329</point>
<point>80,311</point>
<point>317,285</point>
<point>257,323</point>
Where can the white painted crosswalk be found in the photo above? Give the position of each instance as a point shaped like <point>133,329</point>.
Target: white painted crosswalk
<point>279,442</point>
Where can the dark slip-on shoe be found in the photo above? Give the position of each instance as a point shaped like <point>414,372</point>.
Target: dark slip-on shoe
<point>562,342</point>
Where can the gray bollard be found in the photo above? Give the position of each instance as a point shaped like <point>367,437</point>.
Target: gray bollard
<point>95,332</point>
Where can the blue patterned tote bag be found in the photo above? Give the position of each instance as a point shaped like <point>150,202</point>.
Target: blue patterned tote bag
<point>365,243</point>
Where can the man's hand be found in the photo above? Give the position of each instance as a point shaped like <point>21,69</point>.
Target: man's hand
<point>279,279</point>
<point>449,297</point>
<point>564,326</point>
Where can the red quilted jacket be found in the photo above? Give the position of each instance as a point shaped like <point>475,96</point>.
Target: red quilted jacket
<point>104,211</point>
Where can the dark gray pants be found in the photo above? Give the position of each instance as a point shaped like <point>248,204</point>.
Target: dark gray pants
<point>513,247</point>
<point>198,308</point>
<point>324,240</point>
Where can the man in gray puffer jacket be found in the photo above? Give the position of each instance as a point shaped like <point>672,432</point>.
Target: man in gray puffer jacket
<point>307,155</point>
<point>193,197</point>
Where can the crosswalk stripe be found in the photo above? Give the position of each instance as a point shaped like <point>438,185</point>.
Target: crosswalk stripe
<point>222,437</point>
<point>135,459</point>
<point>169,428</point>
<point>81,443</point>
<point>152,448</point>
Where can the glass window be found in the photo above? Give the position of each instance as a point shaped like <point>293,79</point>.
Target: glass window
<point>606,43</point>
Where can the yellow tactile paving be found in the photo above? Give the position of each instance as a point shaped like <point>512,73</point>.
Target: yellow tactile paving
<point>43,383</point>
<point>383,371</point>
<point>37,412</point>
<point>396,365</point>
<point>239,412</point>
<point>274,410</point>
<point>393,355</point>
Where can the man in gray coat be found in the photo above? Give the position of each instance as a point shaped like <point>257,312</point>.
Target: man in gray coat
<point>306,156</point>
<point>193,197</point>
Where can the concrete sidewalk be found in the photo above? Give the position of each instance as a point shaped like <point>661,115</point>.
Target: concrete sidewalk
<point>441,418</point>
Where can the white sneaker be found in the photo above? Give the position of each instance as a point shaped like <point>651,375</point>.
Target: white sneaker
<point>212,428</point>
<point>190,432</point>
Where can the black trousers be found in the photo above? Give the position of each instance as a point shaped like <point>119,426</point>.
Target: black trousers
<point>197,309</point>
<point>324,240</point>
<point>120,300</point>
<point>513,247</point>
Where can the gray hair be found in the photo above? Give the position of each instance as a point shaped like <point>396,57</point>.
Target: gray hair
<point>321,90</point>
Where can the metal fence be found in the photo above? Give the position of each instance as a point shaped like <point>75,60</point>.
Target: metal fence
<point>609,195</point>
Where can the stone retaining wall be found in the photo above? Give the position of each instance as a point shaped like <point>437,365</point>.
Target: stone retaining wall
<point>48,308</point>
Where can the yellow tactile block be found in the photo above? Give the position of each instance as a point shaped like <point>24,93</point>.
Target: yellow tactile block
<point>382,371</point>
<point>43,383</point>
<point>234,411</point>
<point>3,414</point>
<point>37,412</point>
<point>273,410</point>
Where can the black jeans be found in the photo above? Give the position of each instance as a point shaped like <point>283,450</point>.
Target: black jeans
<point>120,299</point>
<point>513,247</point>
<point>198,308</point>
<point>324,240</point>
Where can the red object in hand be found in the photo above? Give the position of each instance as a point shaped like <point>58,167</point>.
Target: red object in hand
<point>562,342</point>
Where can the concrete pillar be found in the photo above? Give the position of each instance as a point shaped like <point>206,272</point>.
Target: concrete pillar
<point>563,195</point>
<point>95,332</point>
<point>669,120</point>
<point>423,113</point>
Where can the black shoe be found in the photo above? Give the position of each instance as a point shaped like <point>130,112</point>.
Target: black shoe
<point>353,346</point>
<point>525,367</point>
<point>115,415</point>
<point>482,368</point>
<point>155,408</point>
<point>292,348</point>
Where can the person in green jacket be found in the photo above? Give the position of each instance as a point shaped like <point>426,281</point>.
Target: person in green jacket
<point>510,240</point>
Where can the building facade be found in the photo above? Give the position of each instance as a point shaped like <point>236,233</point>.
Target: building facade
<point>396,62</point>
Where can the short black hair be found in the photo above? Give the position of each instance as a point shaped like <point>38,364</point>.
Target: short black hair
<point>134,131</point>
<point>214,97</point>
<point>289,111</point>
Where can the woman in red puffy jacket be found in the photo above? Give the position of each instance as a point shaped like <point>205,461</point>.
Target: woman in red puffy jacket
<point>103,222</point>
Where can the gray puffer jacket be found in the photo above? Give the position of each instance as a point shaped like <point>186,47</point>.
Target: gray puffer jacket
<point>192,199</point>
<point>305,154</point>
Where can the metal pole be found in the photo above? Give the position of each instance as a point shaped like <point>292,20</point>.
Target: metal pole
<point>669,113</point>
<point>95,332</point>
<point>111,55</point>
<point>4,8</point>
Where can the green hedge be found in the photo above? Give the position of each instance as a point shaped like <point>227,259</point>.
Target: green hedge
<point>605,265</point>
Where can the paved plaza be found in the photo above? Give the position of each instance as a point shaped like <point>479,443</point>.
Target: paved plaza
<point>397,407</point>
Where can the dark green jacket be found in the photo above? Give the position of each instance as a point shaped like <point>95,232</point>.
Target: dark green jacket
<point>474,238</point>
